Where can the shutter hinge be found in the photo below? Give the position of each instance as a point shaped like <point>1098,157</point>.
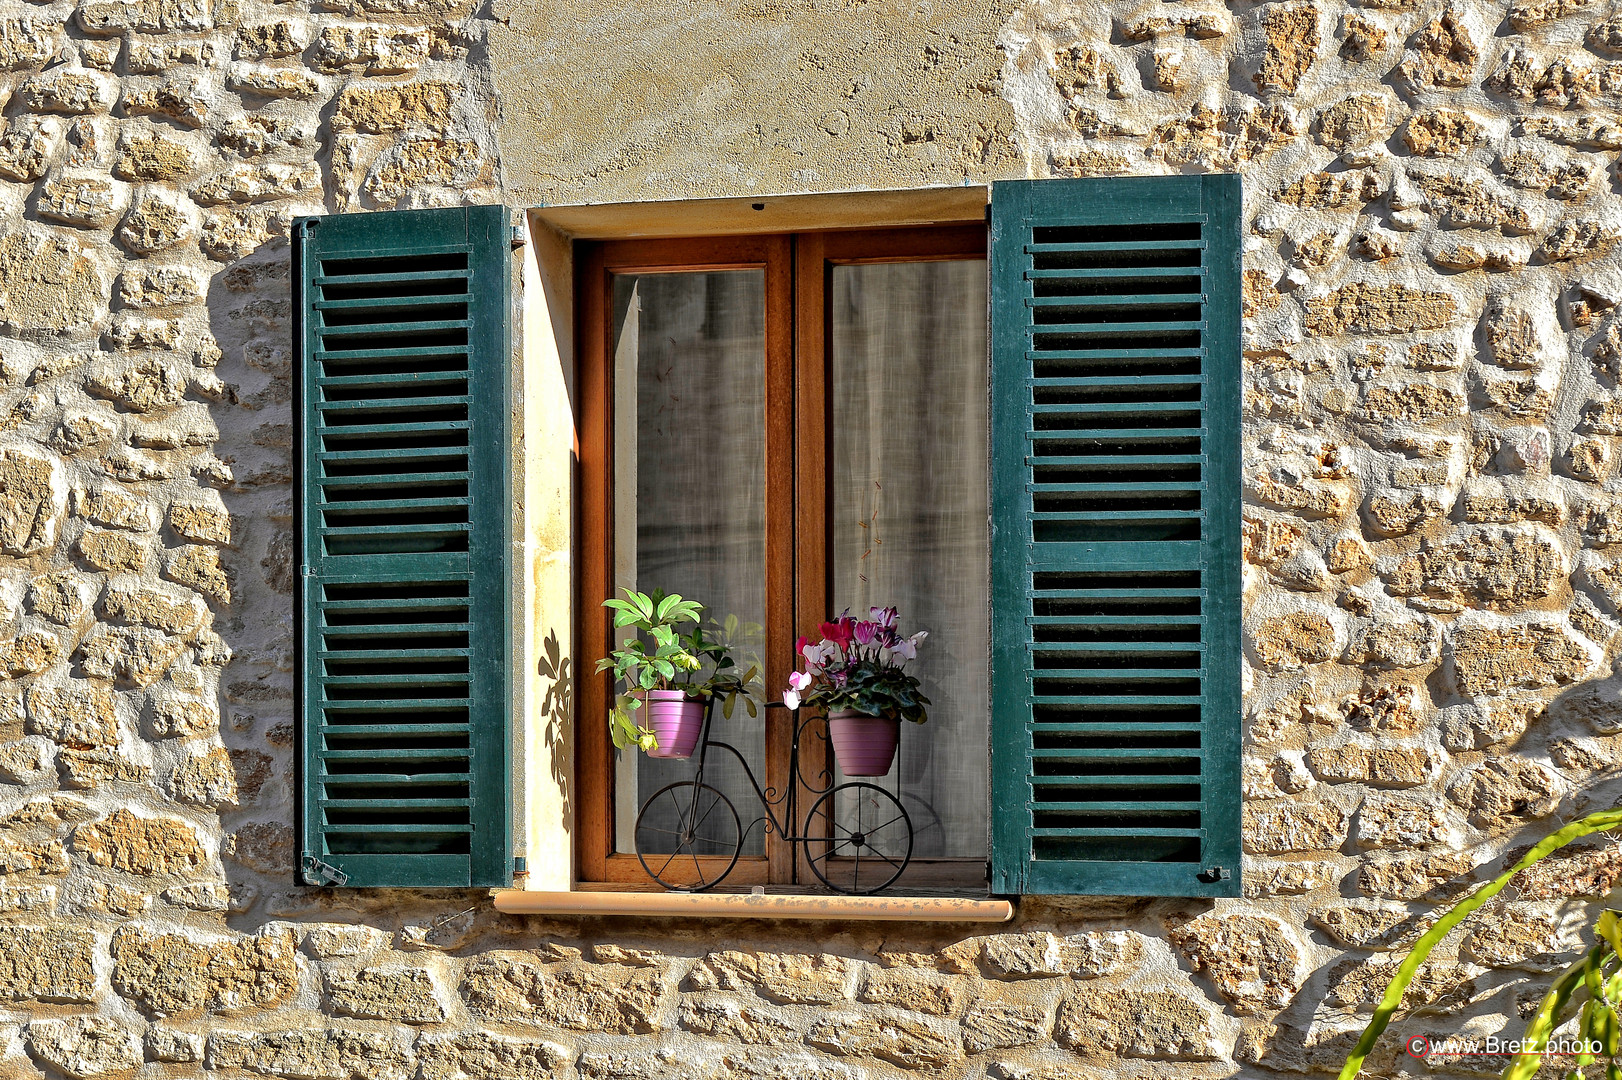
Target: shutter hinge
<point>1213,874</point>
<point>306,571</point>
<point>520,866</point>
<point>517,237</point>
<point>317,872</point>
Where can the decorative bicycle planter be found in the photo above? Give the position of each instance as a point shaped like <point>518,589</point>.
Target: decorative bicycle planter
<point>857,837</point>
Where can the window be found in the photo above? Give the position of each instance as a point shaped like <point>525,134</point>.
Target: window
<point>784,427</point>
<point>741,404</point>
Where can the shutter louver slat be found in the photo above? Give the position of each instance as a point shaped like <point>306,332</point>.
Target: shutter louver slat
<point>403,533</point>
<point>1115,417</point>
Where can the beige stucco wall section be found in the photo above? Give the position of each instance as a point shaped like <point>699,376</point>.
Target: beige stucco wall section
<point>610,102</point>
<point>545,455</point>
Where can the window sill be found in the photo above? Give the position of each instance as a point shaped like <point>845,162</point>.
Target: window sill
<point>755,906</point>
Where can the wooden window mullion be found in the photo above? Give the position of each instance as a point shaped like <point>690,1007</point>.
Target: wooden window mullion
<point>778,653</point>
<point>812,490</point>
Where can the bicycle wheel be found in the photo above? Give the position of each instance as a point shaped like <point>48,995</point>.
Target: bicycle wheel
<point>688,836</point>
<point>868,838</point>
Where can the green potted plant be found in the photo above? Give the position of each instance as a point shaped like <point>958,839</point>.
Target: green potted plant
<point>670,674</point>
<point>856,673</point>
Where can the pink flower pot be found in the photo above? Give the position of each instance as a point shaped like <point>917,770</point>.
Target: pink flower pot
<point>675,719</point>
<point>864,745</point>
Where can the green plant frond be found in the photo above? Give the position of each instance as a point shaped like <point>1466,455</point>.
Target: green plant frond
<point>1593,823</point>
<point>1610,928</point>
<point>1588,1019</point>
<point>1547,1017</point>
<point>660,657</point>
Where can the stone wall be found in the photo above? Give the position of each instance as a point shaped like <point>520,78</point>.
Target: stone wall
<point>1434,584</point>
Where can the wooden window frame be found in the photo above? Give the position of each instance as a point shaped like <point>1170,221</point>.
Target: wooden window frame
<point>798,269</point>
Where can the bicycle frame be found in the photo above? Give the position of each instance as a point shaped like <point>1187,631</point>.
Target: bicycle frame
<point>843,845</point>
<point>788,800</point>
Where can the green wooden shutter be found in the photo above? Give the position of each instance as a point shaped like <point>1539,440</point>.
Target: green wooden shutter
<point>403,521</point>
<point>1115,536</point>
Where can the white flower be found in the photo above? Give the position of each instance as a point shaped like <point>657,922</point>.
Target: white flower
<point>791,698</point>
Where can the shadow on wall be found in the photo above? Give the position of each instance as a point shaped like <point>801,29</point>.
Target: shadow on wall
<point>250,313</point>
<point>557,708</point>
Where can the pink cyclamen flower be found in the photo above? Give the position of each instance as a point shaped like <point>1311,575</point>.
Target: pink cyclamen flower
<point>863,632</point>
<point>799,680</point>
<point>884,616</point>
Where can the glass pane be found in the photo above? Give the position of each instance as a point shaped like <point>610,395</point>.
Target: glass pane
<point>690,490</point>
<point>910,510</point>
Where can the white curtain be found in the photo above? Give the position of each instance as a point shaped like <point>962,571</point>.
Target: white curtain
<point>910,515</point>
<point>690,488</point>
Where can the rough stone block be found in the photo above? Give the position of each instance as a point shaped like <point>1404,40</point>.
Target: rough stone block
<point>84,1047</point>
<point>53,283</point>
<point>81,714</point>
<point>47,963</point>
<point>172,975</point>
<point>329,1054</point>
<point>274,82</point>
<point>1281,827</point>
<point>156,222</point>
<point>1163,1024</point>
<point>255,183</point>
<point>26,147</point>
<point>404,994</point>
<point>582,997</point>
<point>139,845</point>
<point>423,106</point>
<point>145,16</point>
<point>1254,961</point>
<point>1403,821</point>
<point>206,778</point>
<point>1380,766</point>
<point>33,497</point>
<point>73,91</point>
<point>480,1055</point>
<point>1490,658</point>
<point>997,1025</point>
<point>903,1039</point>
<point>805,978</point>
<point>180,98</point>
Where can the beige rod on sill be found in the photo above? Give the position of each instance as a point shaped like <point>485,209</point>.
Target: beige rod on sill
<point>737,906</point>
